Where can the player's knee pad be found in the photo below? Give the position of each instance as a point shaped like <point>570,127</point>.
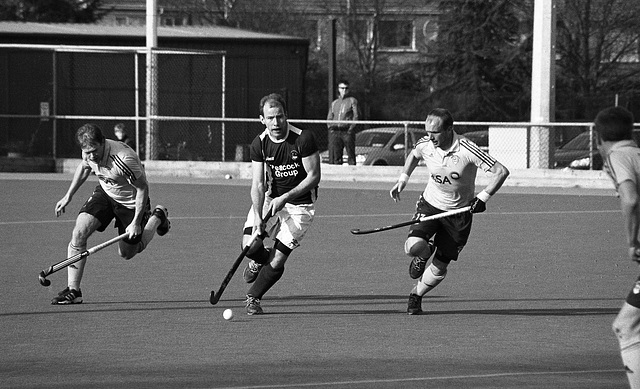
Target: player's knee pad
<point>256,249</point>
<point>430,279</point>
<point>417,247</point>
<point>130,251</point>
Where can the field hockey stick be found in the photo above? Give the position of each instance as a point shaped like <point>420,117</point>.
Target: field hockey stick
<point>357,231</point>
<point>71,260</point>
<point>215,296</point>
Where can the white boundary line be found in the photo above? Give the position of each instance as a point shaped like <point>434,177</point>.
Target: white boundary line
<point>425,379</point>
<point>11,223</point>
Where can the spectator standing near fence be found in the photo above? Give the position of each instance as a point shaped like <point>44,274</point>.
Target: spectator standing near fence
<point>121,134</point>
<point>621,157</point>
<point>453,162</point>
<point>343,135</point>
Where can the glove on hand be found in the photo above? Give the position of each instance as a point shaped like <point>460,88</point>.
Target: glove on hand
<point>477,205</point>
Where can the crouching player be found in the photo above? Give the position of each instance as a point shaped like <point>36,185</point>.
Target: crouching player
<point>123,194</point>
<point>286,173</point>
<point>621,158</point>
<point>453,162</point>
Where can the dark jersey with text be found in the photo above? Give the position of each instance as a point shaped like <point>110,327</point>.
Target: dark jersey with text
<point>283,161</point>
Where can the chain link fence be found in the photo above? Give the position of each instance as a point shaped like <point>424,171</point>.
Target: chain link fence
<point>50,91</point>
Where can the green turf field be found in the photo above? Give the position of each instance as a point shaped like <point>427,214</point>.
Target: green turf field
<point>528,305</point>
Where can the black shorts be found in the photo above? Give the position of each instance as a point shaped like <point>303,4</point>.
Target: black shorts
<point>105,209</point>
<point>451,232</point>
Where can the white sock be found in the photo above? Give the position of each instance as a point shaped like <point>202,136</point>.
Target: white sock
<point>428,281</point>
<point>75,271</point>
<point>149,232</point>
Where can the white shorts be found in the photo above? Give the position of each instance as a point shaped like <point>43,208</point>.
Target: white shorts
<point>289,225</point>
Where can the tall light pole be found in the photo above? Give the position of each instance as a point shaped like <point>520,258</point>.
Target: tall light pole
<point>152,79</point>
<point>543,92</point>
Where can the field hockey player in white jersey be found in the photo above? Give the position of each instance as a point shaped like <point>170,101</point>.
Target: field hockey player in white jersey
<point>621,157</point>
<point>122,194</point>
<point>453,162</point>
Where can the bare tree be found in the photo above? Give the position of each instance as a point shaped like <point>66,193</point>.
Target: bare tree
<point>365,24</point>
<point>51,11</point>
<point>483,59</point>
<point>202,12</point>
<point>598,46</point>
<point>272,16</point>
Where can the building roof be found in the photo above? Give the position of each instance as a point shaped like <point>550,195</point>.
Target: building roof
<point>316,7</point>
<point>190,32</point>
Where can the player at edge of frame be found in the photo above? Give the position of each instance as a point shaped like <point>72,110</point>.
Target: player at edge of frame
<point>621,157</point>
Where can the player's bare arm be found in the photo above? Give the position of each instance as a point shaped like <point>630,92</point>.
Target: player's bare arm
<point>257,193</point>
<point>629,205</point>
<point>499,174</point>
<point>79,177</point>
<point>142,194</point>
<point>311,165</point>
<point>409,165</point>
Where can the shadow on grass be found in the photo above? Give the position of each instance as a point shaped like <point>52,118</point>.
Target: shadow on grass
<point>326,305</point>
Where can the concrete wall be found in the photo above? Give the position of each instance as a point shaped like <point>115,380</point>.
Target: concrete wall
<point>594,179</point>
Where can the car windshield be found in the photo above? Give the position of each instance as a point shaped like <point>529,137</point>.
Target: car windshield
<point>373,139</point>
<point>580,142</point>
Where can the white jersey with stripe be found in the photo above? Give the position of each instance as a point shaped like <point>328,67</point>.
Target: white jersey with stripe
<point>452,172</point>
<point>119,168</point>
<point>622,162</point>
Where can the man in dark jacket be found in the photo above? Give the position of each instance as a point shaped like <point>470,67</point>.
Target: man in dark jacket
<point>343,135</point>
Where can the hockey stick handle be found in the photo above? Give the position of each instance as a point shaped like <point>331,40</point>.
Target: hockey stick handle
<point>42,277</point>
<point>215,296</point>
<point>357,231</point>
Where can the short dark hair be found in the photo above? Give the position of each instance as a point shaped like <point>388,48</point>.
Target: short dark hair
<point>614,124</point>
<point>343,81</point>
<point>272,99</point>
<point>444,115</point>
<point>88,134</point>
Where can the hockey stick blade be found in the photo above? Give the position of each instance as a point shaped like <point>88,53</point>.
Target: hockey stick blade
<point>214,297</point>
<point>357,231</point>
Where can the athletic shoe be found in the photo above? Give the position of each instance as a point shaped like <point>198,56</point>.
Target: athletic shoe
<point>415,304</point>
<point>163,214</point>
<point>250,272</point>
<point>68,296</point>
<point>253,306</point>
<point>417,266</point>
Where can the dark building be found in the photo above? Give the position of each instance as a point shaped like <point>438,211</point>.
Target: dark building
<point>78,80</point>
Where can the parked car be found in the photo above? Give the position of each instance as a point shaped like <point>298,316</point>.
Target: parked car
<point>381,146</point>
<point>577,153</point>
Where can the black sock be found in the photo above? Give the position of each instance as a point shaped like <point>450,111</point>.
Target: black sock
<point>267,277</point>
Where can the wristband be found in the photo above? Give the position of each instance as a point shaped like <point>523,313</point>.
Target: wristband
<point>404,177</point>
<point>484,196</point>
